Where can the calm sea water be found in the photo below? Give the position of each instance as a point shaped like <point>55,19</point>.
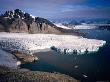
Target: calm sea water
<point>87,67</point>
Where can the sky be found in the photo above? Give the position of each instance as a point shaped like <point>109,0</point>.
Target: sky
<point>60,8</point>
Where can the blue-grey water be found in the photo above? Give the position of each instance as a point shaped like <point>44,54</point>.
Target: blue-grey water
<point>87,67</point>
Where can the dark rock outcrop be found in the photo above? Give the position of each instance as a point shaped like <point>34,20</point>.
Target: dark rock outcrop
<point>1,28</point>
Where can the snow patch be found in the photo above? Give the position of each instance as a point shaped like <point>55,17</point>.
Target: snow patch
<point>33,17</point>
<point>7,59</point>
<point>61,26</point>
<point>85,26</point>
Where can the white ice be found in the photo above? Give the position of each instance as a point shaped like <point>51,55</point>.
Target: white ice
<point>61,26</point>
<point>85,26</point>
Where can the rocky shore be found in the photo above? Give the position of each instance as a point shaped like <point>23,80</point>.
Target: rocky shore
<point>25,57</point>
<point>17,75</point>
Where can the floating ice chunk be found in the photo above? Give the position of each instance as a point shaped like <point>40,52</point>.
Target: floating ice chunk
<point>76,66</point>
<point>18,63</point>
<point>85,76</point>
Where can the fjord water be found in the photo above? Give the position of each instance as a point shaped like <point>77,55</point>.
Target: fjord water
<point>87,67</point>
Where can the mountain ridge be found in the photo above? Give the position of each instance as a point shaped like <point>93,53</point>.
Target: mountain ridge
<point>19,21</point>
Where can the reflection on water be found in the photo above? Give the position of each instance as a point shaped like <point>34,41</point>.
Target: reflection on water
<point>87,67</point>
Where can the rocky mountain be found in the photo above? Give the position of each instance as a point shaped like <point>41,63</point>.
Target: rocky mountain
<point>20,22</point>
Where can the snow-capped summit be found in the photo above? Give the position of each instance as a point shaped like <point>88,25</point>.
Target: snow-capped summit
<point>33,16</point>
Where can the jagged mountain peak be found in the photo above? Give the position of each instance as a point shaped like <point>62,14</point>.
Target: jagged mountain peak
<point>17,13</point>
<point>20,21</point>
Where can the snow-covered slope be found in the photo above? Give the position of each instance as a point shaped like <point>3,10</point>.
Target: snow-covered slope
<point>61,26</point>
<point>7,59</point>
<point>30,43</point>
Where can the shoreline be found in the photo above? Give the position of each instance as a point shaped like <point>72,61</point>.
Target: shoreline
<point>32,76</point>
<point>19,70</point>
<point>47,41</point>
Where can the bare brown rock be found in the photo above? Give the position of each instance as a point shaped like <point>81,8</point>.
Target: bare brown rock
<point>18,26</point>
<point>25,57</point>
<point>2,29</point>
<point>9,75</point>
<point>21,22</point>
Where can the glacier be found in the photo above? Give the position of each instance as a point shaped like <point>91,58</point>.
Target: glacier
<point>81,26</point>
<point>85,26</point>
<point>32,43</point>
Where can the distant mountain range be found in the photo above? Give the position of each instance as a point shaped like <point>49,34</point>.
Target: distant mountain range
<point>18,21</point>
<point>78,21</point>
<point>21,22</point>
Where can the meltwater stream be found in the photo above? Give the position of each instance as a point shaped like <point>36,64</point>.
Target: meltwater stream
<point>87,67</point>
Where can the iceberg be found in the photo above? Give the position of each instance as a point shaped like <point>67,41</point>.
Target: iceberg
<point>31,43</point>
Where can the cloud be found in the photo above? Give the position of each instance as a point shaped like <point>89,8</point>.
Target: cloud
<point>86,12</point>
<point>38,4</point>
<point>59,8</point>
